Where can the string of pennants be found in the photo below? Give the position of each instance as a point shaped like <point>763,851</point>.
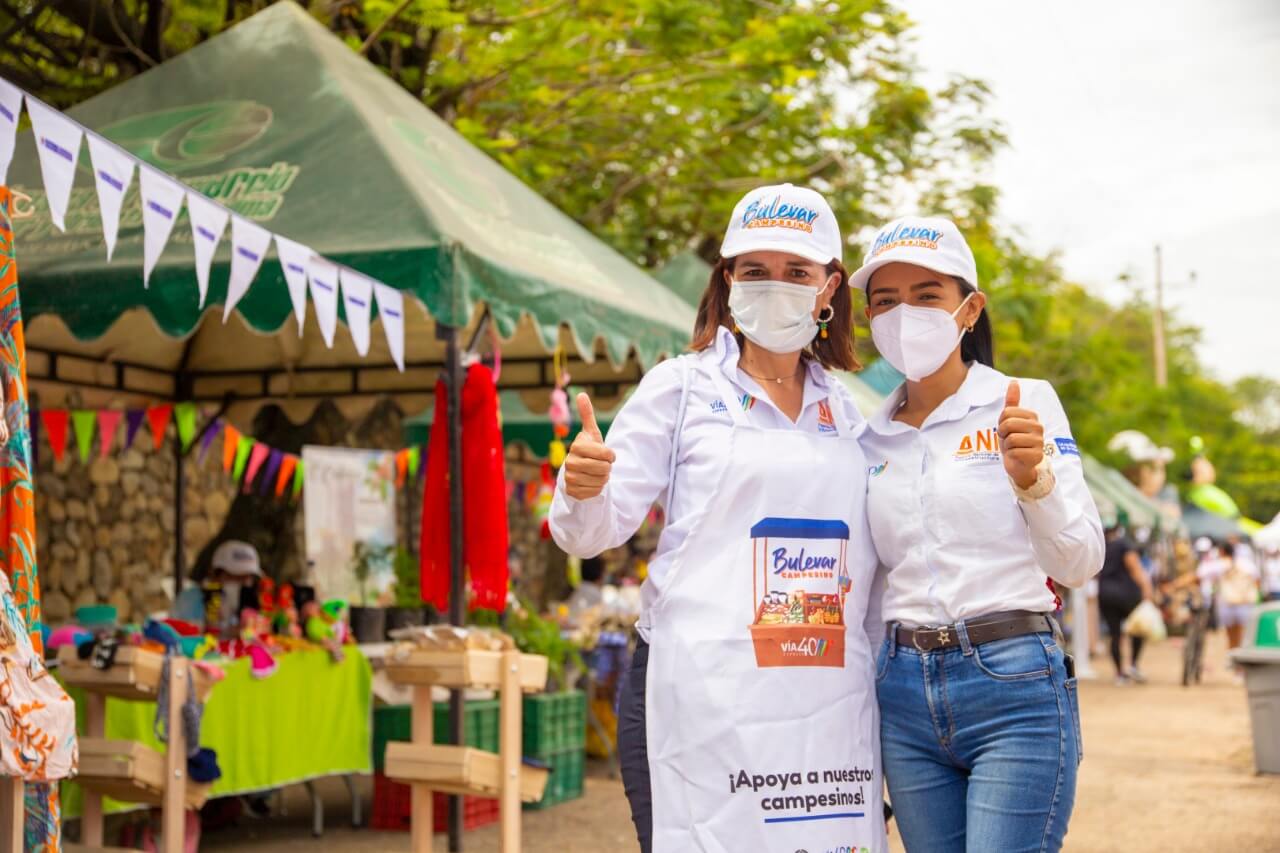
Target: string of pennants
<point>243,457</point>
<point>58,143</point>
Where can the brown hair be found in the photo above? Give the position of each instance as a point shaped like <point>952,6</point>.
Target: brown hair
<point>834,352</point>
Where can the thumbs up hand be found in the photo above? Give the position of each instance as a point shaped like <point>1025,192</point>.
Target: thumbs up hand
<point>1021,439</point>
<point>587,467</point>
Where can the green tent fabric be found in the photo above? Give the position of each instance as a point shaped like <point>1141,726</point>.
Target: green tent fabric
<point>1113,487</point>
<point>280,120</point>
<point>687,275</point>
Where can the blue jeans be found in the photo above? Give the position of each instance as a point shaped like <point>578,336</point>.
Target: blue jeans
<point>981,744</point>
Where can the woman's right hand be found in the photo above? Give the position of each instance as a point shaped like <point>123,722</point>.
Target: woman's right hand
<point>587,466</point>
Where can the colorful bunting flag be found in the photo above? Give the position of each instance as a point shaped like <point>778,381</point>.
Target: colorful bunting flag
<point>55,423</point>
<point>269,475</point>
<point>133,422</point>
<point>230,442</point>
<point>256,457</point>
<point>112,174</point>
<point>249,244</point>
<point>357,298</point>
<point>243,447</point>
<point>287,464</point>
<point>402,467</point>
<point>185,415</point>
<point>58,144</point>
<point>208,221</point>
<point>294,259</point>
<point>323,277</point>
<point>108,420</point>
<point>161,203</point>
<point>10,112</point>
<point>82,421</point>
<point>391,313</point>
<point>297,479</point>
<point>415,458</point>
<point>206,440</point>
<point>158,417</point>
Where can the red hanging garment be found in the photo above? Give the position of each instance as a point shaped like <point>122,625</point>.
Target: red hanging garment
<point>484,505</point>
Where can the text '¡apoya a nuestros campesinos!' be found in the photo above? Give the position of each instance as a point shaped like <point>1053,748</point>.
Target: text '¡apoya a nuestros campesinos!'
<point>782,789</point>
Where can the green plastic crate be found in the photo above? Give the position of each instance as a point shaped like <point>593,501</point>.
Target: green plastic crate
<point>1268,633</point>
<point>554,722</point>
<point>395,722</point>
<point>565,782</point>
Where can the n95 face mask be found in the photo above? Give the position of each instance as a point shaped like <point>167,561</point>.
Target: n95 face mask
<point>774,314</point>
<point>916,340</point>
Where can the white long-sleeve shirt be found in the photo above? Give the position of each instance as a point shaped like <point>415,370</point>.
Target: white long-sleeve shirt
<point>641,437</point>
<point>955,540</point>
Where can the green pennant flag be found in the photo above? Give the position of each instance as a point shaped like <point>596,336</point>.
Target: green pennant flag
<point>297,480</point>
<point>185,415</point>
<point>83,421</point>
<point>242,456</point>
<point>415,458</point>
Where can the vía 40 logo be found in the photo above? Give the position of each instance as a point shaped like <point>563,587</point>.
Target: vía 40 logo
<point>846,848</point>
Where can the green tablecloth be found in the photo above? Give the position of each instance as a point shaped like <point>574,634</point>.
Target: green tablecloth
<point>312,718</point>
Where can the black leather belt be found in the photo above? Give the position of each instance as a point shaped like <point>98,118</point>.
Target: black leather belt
<point>981,629</point>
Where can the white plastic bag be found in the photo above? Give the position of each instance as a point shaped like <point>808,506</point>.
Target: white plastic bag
<point>1146,622</point>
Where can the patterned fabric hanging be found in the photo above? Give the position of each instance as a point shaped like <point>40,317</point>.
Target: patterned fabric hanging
<point>43,829</point>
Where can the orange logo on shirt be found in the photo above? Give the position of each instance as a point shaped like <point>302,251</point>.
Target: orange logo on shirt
<point>983,444</point>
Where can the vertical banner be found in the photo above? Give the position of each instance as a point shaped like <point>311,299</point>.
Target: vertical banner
<point>349,497</point>
<point>294,258</point>
<point>324,295</point>
<point>391,312</point>
<point>10,110</point>
<point>112,174</point>
<point>208,221</point>
<point>161,203</point>
<point>108,420</point>
<point>58,143</point>
<point>357,298</point>
<point>249,244</point>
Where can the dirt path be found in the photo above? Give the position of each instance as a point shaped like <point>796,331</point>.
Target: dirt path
<point>1166,768</point>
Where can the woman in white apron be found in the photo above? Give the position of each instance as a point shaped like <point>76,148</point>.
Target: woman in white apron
<point>749,721</point>
<point>976,500</point>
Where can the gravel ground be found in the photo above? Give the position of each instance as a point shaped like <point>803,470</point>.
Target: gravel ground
<point>1166,768</point>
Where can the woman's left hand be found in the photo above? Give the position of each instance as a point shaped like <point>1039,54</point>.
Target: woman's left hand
<point>1021,439</point>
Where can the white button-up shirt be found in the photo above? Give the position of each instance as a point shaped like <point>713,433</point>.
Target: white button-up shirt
<point>950,532</point>
<point>641,436</point>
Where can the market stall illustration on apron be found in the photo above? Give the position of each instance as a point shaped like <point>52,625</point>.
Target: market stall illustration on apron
<point>801,573</point>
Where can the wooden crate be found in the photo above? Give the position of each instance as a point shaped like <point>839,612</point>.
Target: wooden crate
<point>458,770</point>
<point>469,668</point>
<point>133,676</point>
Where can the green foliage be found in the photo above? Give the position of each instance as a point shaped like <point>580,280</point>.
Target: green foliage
<point>536,636</point>
<point>364,559</point>
<point>408,579</point>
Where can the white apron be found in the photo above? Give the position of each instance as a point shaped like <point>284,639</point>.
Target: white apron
<point>763,729</point>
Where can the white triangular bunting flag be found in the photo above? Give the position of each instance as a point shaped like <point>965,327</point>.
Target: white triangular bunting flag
<point>112,174</point>
<point>208,221</point>
<point>249,244</point>
<point>161,204</point>
<point>58,141</point>
<point>10,111</point>
<point>294,258</point>
<point>391,312</point>
<point>323,276</point>
<point>357,298</point>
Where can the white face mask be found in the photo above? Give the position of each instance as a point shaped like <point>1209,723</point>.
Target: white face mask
<point>774,314</point>
<point>917,340</point>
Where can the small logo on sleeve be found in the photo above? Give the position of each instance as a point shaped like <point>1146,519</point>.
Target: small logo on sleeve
<point>1067,446</point>
<point>826,422</point>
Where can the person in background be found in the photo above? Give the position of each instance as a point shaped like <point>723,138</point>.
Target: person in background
<point>1123,584</point>
<point>590,592</point>
<point>1271,573</point>
<point>1237,595</point>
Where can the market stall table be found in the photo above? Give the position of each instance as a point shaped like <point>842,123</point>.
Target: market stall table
<point>308,720</point>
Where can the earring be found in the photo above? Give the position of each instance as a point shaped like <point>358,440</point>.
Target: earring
<point>824,317</point>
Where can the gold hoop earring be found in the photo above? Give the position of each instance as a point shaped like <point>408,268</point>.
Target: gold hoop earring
<point>830,314</point>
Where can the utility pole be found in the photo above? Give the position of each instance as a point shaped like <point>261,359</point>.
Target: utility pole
<point>1157,332</point>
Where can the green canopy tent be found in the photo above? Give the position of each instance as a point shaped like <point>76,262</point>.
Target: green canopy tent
<point>280,121</point>
<point>686,275</point>
<point>1131,506</point>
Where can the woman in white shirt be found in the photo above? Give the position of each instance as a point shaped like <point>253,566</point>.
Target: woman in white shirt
<point>976,499</point>
<point>749,719</point>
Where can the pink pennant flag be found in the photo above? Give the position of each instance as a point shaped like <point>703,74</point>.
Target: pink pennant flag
<point>108,420</point>
<point>256,457</point>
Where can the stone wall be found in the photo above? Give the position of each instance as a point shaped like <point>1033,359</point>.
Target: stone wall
<point>106,529</point>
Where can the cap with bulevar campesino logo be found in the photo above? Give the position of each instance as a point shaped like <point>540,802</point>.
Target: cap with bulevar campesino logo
<point>925,241</point>
<point>784,218</point>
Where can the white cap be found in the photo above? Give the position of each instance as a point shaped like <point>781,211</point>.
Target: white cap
<point>784,218</point>
<point>237,558</point>
<point>924,241</point>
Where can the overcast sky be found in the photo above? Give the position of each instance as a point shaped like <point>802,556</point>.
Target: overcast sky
<point>1136,123</point>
